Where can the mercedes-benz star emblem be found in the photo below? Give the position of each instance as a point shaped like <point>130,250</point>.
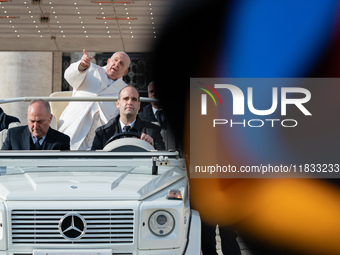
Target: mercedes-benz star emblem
<point>72,226</point>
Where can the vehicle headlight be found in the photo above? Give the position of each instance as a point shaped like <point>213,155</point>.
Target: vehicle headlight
<point>161,223</point>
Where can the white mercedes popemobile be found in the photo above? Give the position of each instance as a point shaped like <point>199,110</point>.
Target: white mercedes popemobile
<point>125,200</point>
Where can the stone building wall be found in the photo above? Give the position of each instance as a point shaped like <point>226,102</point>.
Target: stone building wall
<point>24,74</point>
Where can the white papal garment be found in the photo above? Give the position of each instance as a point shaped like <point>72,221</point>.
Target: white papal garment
<point>80,119</point>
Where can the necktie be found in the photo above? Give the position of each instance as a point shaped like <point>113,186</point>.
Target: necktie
<point>126,128</point>
<point>161,118</point>
<point>37,144</point>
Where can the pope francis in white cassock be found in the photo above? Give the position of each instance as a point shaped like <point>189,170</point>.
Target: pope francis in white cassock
<point>80,119</point>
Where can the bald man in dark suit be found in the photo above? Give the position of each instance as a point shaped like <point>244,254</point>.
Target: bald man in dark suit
<point>37,135</point>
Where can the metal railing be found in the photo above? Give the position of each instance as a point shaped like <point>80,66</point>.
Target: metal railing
<point>65,99</point>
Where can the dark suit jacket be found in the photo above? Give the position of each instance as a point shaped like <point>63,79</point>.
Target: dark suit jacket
<point>19,138</point>
<point>147,114</point>
<point>104,133</point>
<point>6,119</point>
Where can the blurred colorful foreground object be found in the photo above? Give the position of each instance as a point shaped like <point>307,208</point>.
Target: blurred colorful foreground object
<point>260,39</point>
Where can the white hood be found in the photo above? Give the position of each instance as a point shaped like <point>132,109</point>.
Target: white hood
<point>129,184</point>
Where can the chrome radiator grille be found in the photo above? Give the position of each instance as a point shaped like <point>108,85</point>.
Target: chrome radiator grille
<point>42,226</point>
